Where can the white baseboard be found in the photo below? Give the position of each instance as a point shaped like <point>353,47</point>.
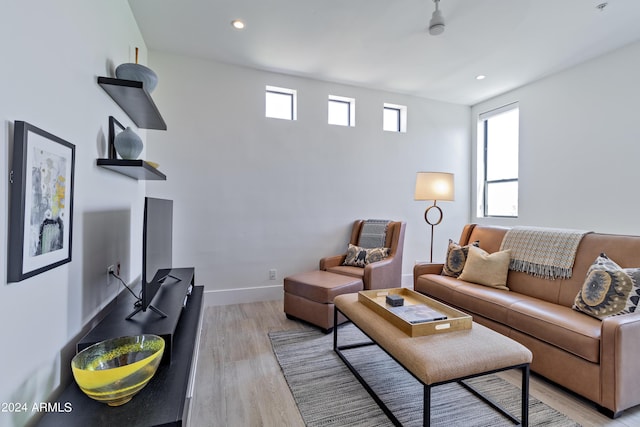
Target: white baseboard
<point>243,295</point>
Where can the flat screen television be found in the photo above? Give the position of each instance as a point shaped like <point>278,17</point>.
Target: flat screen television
<point>157,241</point>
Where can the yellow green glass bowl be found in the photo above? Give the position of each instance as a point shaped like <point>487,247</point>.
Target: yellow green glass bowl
<point>114,370</point>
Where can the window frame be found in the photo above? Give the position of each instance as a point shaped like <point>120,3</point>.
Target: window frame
<point>483,119</point>
<point>401,123</point>
<point>291,93</point>
<point>351,109</point>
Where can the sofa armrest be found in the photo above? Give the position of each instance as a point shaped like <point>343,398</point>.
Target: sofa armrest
<point>425,268</point>
<point>332,261</point>
<point>619,350</point>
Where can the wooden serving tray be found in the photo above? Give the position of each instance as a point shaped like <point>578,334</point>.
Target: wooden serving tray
<point>376,300</point>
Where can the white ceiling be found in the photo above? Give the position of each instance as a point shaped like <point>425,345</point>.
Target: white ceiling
<point>384,44</point>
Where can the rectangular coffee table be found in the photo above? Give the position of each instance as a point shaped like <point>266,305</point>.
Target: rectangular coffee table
<point>436,359</point>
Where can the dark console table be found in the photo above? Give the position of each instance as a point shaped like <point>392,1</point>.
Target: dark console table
<point>165,400</point>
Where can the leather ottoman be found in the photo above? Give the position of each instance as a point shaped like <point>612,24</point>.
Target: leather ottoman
<point>309,296</point>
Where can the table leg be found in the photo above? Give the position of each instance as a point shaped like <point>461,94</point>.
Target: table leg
<point>426,411</point>
<point>335,328</point>
<point>525,396</point>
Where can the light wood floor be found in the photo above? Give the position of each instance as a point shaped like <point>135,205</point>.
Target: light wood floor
<point>239,382</point>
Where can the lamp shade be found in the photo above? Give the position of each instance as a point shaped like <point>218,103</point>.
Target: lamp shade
<point>434,186</point>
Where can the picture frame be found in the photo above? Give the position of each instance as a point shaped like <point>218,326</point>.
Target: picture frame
<point>40,202</point>
<point>115,127</point>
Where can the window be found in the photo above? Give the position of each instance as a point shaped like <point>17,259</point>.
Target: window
<point>394,118</point>
<point>342,111</point>
<point>280,103</point>
<point>498,138</point>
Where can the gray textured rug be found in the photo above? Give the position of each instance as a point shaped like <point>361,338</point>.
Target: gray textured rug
<point>328,394</point>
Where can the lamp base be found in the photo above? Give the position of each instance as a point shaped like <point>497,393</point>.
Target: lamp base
<point>432,224</point>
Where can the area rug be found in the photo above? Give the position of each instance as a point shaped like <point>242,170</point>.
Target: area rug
<point>327,393</point>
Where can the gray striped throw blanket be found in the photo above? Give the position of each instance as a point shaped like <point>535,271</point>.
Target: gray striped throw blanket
<point>373,233</point>
<point>543,252</point>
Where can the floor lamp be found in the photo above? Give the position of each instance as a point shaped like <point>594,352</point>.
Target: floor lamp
<point>434,186</point>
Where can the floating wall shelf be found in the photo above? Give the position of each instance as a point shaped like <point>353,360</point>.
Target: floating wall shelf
<point>135,101</point>
<point>137,169</point>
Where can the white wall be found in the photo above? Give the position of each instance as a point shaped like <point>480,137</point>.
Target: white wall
<point>579,146</point>
<point>253,193</point>
<point>52,53</point>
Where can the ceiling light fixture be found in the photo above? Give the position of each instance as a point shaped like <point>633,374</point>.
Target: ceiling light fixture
<point>481,77</point>
<point>436,25</point>
<point>237,24</point>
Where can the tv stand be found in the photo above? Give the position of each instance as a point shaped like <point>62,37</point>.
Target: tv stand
<point>165,401</point>
<point>152,308</point>
<point>161,280</point>
<point>168,301</point>
<point>158,282</point>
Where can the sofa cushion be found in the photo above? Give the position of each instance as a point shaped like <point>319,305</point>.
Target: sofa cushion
<point>487,269</point>
<point>469,297</point>
<point>359,257</point>
<point>456,258</point>
<point>608,289</point>
<point>347,270</point>
<point>557,325</point>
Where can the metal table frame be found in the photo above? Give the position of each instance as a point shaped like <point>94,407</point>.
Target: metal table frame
<point>523,421</point>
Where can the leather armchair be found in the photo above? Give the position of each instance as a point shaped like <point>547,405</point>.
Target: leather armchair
<point>386,273</point>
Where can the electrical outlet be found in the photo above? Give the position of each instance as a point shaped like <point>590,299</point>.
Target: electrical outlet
<point>272,274</point>
<point>109,271</point>
<point>118,269</point>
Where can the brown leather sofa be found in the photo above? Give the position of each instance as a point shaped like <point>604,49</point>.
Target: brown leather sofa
<point>594,358</point>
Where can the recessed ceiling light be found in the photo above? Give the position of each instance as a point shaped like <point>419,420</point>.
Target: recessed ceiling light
<point>481,77</point>
<point>237,24</point>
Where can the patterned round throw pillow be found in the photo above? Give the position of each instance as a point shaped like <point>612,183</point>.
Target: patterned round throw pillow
<point>359,257</point>
<point>608,289</point>
<point>456,258</point>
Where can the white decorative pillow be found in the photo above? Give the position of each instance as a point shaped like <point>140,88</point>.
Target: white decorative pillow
<point>359,257</point>
<point>487,269</point>
<point>608,289</point>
